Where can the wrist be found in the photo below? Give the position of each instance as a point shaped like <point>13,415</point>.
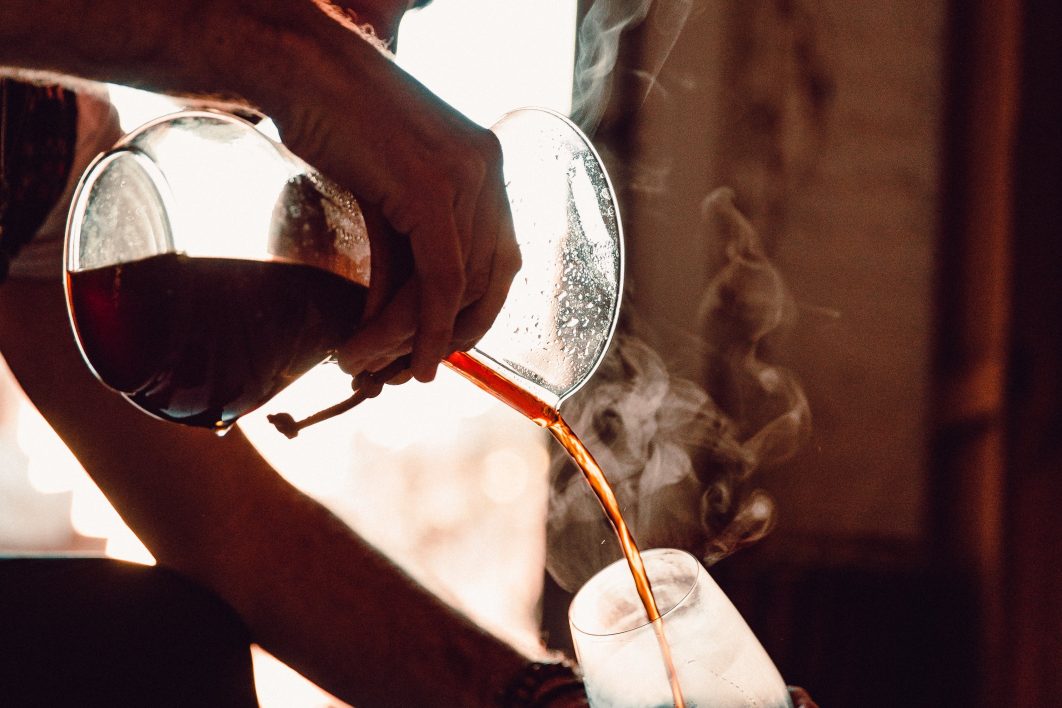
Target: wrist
<point>243,51</point>
<point>540,684</point>
<point>271,53</point>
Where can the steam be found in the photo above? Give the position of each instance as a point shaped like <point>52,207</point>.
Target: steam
<point>680,460</point>
<point>598,43</point>
<point>682,457</point>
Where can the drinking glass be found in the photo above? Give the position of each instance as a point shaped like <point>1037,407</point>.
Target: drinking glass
<point>719,663</point>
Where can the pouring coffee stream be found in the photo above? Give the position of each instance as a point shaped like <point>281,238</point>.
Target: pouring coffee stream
<point>161,255</point>
<point>546,416</point>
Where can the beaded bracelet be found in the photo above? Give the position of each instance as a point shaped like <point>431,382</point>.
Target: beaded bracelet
<point>540,683</point>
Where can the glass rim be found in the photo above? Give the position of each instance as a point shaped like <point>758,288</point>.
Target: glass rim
<point>610,569</point>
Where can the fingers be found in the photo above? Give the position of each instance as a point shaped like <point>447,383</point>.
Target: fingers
<point>390,332</point>
<point>369,384</point>
<point>491,223</point>
<point>476,319</point>
<point>440,270</point>
<point>384,337</point>
<point>399,379</point>
<point>436,178</point>
<point>464,252</point>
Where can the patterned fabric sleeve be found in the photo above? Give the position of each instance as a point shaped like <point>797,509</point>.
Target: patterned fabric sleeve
<point>38,133</point>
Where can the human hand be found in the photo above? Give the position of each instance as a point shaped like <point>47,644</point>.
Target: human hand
<point>435,176</point>
<point>344,107</point>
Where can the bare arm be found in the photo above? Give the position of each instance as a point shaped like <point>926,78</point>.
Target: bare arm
<point>202,48</point>
<point>339,104</point>
<point>312,592</point>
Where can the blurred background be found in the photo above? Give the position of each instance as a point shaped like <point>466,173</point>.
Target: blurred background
<point>900,162</point>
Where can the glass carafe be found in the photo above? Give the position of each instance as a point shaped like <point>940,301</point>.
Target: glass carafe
<point>207,267</point>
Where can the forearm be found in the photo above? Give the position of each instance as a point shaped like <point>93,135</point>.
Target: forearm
<point>311,591</point>
<point>347,618</point>
<point>105,40</point>
<point>301,62</point>
<point>202,48</point>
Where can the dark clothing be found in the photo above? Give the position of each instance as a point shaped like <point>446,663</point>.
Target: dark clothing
<point>38,134</point>
<point>99,632</point>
